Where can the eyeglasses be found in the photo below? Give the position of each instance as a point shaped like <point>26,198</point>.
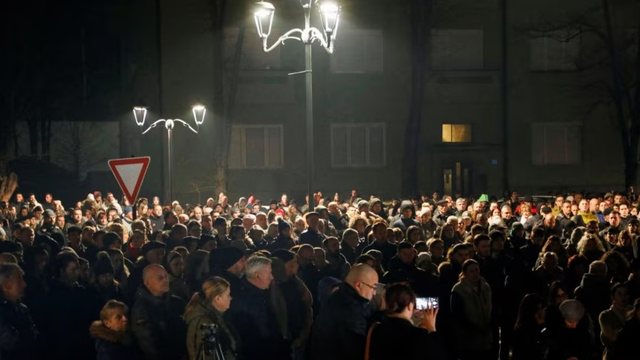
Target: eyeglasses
<point>373,287</point>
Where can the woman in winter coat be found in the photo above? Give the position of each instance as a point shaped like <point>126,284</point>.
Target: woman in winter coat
<point>112,337</point>
<point>396,337</point>
<point>204,319</point>
<point>529,341</point>
<point>471,309</point>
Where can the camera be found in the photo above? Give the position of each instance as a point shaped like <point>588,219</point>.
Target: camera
<point>211,328</point>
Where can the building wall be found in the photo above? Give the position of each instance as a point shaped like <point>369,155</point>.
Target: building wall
<point>454,94</point>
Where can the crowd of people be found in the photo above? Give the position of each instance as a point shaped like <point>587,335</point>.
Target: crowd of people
<point>435,277</point>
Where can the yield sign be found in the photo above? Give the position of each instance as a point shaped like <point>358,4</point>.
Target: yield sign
<point>129,174</point>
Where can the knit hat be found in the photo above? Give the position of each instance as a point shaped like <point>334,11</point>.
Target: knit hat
<point>283,224</point>
<point>224,258</point>
<point>103,264</point>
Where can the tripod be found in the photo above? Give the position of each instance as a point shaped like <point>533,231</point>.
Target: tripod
<point>210,348</point>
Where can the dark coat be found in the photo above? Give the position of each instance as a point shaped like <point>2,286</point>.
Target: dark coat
<point>111,345</point>
<point>568,343</point>
<point>18,333</point>
<point>387,249</point>
<point>397,338</point>
<point>404,223</point>
<point>253,318</point>
<point>529,343</point>
<point>157,325</point>
<point>626,347</point>
<point>424,284</point>
<point>340,329</point>
<point>312,238</point>
<point>68,324</point>
<point>593,292</point>
<point>281,242</point>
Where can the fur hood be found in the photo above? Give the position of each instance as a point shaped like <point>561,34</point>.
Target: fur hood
<point>99,331</point>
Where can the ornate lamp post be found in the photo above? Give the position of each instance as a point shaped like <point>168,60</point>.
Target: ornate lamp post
<point>330,15</point>
<point>140,116</point>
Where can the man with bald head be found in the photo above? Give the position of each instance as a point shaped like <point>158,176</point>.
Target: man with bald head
<point>340,329</point>
<point>157,317</point>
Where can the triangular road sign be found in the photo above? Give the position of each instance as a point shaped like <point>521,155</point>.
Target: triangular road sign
<point>129,174</point>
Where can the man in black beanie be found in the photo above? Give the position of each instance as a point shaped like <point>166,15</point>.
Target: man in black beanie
<point>283,240</point>
<point>229,264</point>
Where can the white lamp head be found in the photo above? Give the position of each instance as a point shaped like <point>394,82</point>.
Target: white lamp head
<point>330,15</point>
<point>199,112</point>
<point>263,15</point>
<point>307,3</point>
<point>140,115</point>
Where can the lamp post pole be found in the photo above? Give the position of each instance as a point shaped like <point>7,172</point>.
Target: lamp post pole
<point>169,190</point>
<point>308,69</point>
<point>140,116</point>
<point>330,15</point>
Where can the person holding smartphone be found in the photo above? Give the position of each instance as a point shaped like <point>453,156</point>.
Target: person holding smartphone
<point>396,337</point>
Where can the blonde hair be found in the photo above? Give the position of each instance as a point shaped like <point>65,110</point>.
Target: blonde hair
<point>110,308</point>
<point>210,288</point>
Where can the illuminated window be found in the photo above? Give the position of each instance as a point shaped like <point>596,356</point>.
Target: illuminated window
<point>456,133</point>
<point>256,147</point>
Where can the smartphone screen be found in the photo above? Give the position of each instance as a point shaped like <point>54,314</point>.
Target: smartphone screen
<point>423,303</point>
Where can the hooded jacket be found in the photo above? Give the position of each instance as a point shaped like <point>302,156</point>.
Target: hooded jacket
<point>205,314</point>
<point>110,344</point>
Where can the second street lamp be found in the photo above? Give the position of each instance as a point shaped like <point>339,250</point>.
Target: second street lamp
<point>330,15</point>
<point>140,116</point>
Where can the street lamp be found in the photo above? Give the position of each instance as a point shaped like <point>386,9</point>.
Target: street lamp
<point>330,15</point>
<point>140,116</point>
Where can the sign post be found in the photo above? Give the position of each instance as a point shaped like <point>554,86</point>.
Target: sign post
<point>129,174</point>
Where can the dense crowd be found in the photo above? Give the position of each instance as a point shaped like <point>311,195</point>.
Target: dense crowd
<point>434,277</point>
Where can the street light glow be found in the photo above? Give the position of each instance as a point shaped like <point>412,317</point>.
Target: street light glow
<point>263,16</point>
<point>140,115</point>
<point>307,3</point>
<point>330,14</point>
<point>199,112</point>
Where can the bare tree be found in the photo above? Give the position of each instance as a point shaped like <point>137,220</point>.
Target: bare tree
<point>421,11</point>
<point>611,67</point>
<point>226,70</point>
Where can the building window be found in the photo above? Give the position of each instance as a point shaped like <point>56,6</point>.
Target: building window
<point>256,147</point>
<point>555,51</point>
<point>457,49</point>
<point>358,51</point>
<point>556,143</point>
<point>358,145</point>
<point>456,133</point>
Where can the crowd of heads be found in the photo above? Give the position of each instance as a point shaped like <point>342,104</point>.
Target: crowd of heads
<point>558,262</point>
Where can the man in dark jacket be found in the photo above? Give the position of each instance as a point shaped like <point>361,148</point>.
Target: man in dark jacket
<point>229,264</point>
<point>157,317</point>
<point>340,329</point>
<point>253,317</point>
<point>407,217</point>
<point>312,236</point>
<point>381,243</point>
<point>18,333</point>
